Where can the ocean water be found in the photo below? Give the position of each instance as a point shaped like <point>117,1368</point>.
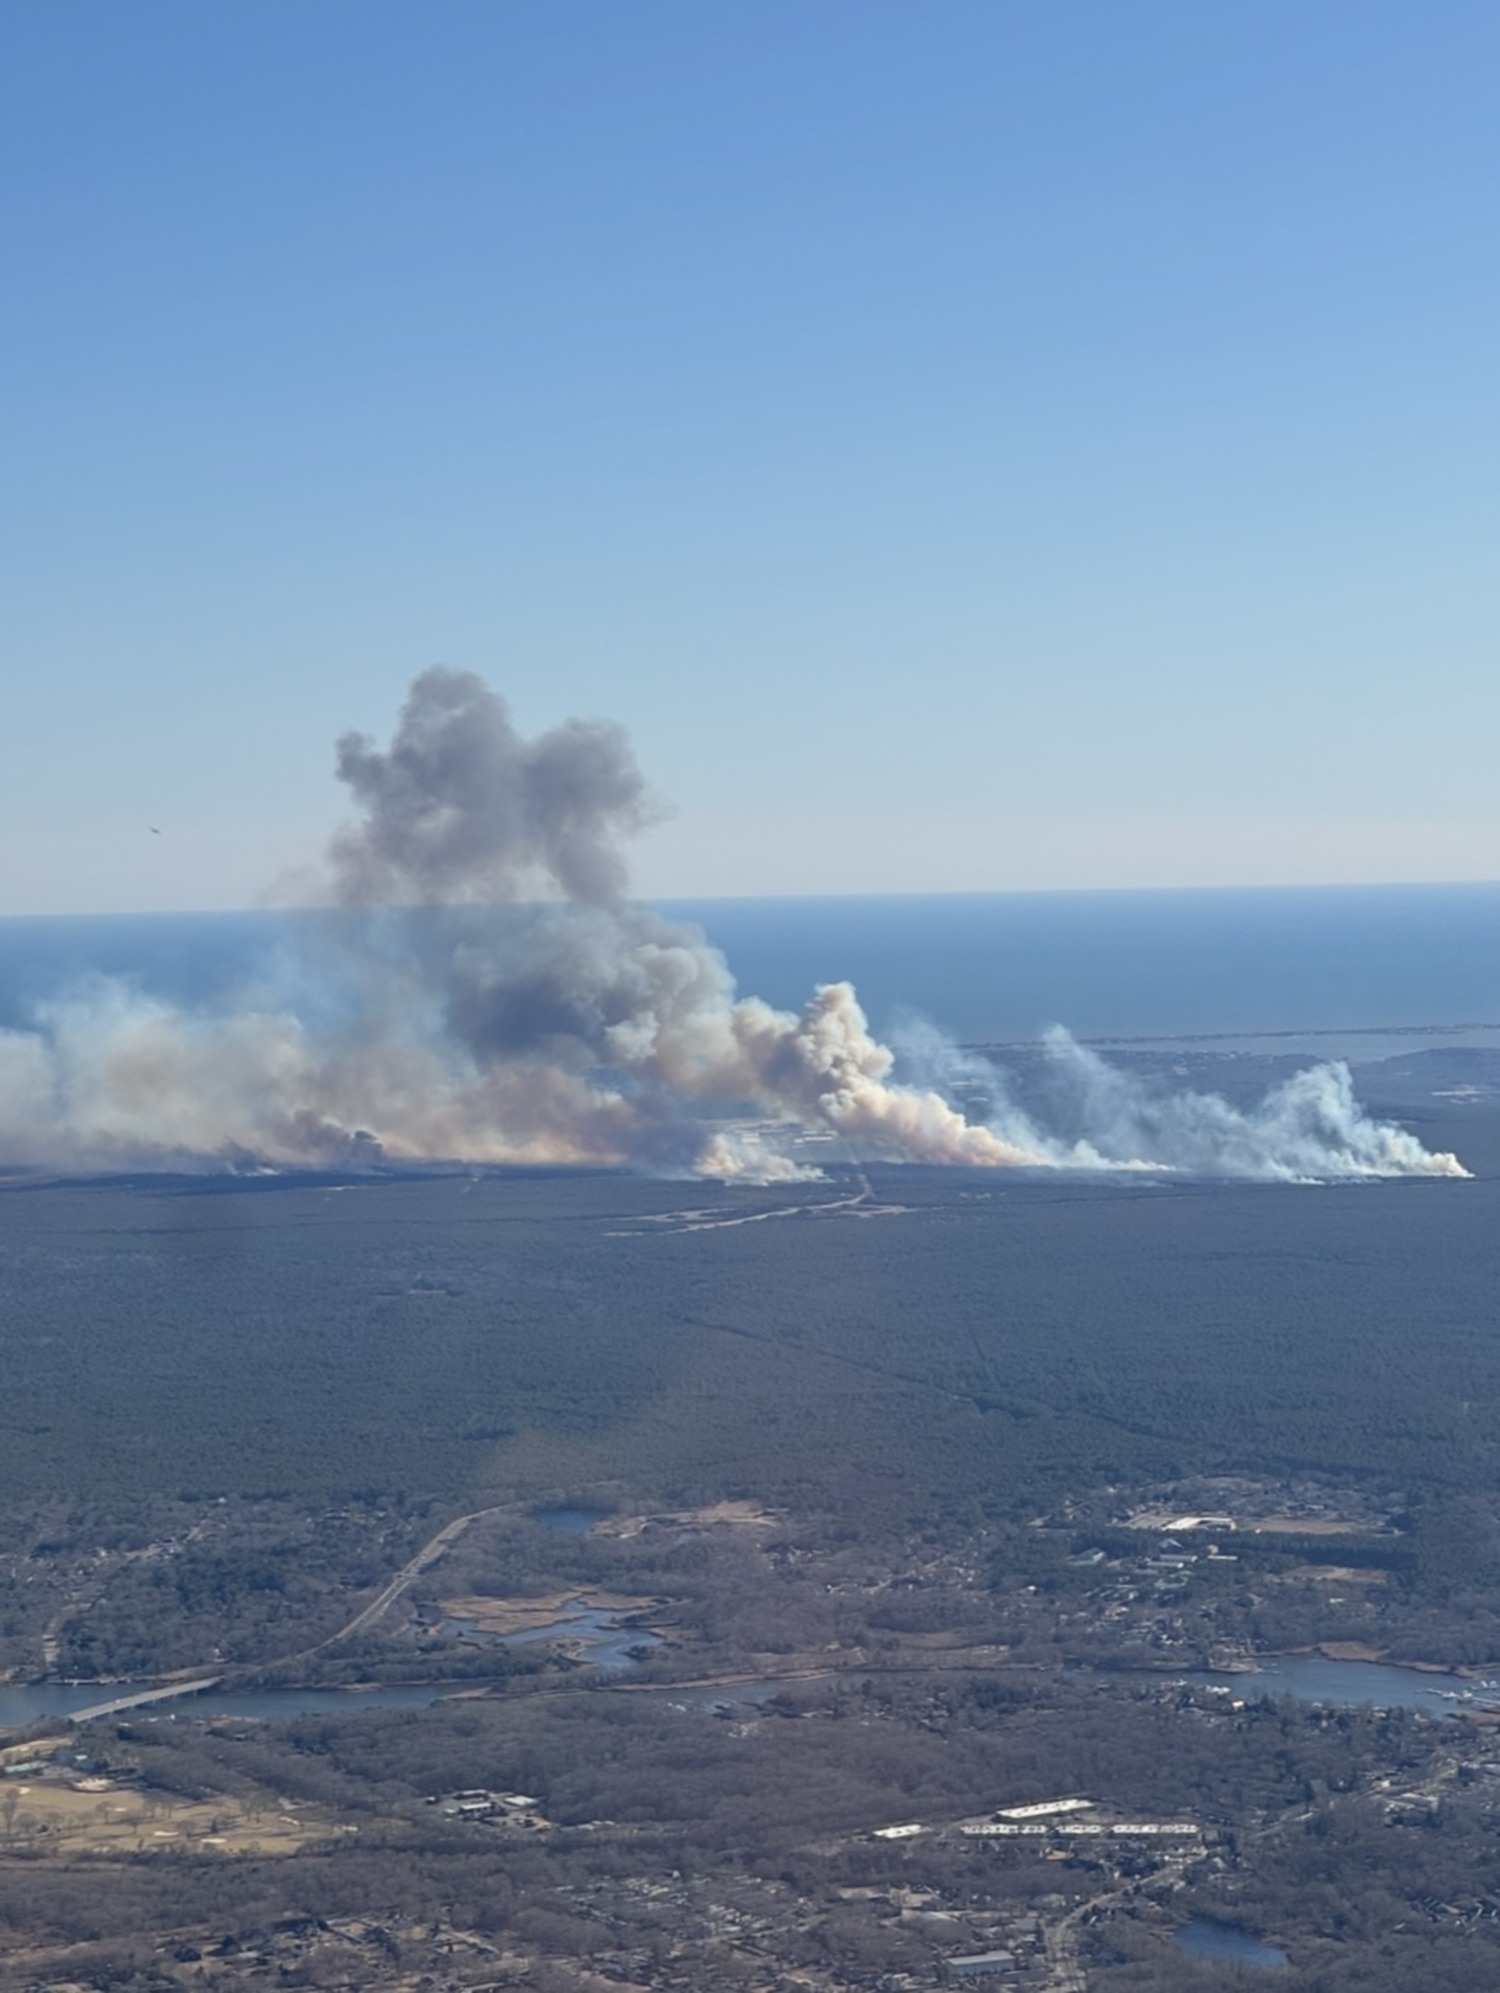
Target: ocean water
<point>1349,969</point>
<point>1160,965</point>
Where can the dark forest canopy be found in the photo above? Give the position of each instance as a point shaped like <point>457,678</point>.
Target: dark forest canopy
<point>990,1340</point>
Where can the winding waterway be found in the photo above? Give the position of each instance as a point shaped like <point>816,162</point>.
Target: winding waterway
<point>591,1635</point>
<point>596,1638</point>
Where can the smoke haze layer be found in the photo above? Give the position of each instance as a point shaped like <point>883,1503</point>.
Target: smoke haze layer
<point>478,987</point>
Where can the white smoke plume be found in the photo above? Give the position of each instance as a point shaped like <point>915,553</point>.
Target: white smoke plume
<point>480,989</point>
<point>1307,1129</point>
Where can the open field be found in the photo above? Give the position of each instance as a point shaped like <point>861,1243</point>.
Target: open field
<point>96,1816</point>
<point>505,1616</point>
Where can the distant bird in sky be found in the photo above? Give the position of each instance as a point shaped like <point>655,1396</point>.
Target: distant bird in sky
<point>153,830</point>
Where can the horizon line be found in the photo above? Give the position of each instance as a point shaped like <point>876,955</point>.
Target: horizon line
<point>1237,889</point>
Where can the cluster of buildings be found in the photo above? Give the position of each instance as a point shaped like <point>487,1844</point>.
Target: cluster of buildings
<point>1081,1825</point>
<point>478,1803</point>
<point>1063,1824</point>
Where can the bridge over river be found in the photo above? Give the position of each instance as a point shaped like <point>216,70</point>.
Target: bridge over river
<point>142,1697</point>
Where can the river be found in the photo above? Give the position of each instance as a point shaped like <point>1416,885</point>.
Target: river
<point>1309,1678</point>
<point>592,1635</point>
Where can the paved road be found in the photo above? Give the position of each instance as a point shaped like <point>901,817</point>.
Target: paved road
<point>430,1552</point>
<point>367,1616</point>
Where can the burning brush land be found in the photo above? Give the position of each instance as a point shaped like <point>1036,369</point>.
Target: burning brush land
<point>592,1581</point>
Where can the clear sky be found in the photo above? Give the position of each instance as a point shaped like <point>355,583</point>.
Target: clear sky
<point>979,443</point>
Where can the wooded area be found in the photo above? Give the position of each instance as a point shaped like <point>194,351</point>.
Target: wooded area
<point>935,1407</point>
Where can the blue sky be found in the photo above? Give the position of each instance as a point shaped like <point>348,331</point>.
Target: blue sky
<point>969,445</point>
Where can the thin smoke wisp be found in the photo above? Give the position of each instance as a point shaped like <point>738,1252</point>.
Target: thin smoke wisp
<point>478,986</point>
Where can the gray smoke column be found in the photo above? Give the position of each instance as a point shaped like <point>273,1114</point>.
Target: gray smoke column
<point>461,809</point>
<point>480,988</point>
<point>625,1024</point>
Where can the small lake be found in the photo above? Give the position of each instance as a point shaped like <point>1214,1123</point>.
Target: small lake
<point>1229,1944</point>
<point>1353,1685</point>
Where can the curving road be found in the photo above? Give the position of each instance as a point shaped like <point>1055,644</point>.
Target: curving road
<point>428,1555</point>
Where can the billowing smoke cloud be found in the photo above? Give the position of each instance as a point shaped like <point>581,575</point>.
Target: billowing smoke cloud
<point>478,988</point>
<point>1308,1129</point>
<point>461,809</point>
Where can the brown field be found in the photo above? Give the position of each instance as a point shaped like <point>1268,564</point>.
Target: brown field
<point>504,1616</point>
<point>96,1816</point>
<point>732,1515</point>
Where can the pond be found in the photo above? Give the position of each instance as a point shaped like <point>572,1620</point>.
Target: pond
<point>570,1520</point>
<point>1204,1939</point>
<point>1353,1685</point>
